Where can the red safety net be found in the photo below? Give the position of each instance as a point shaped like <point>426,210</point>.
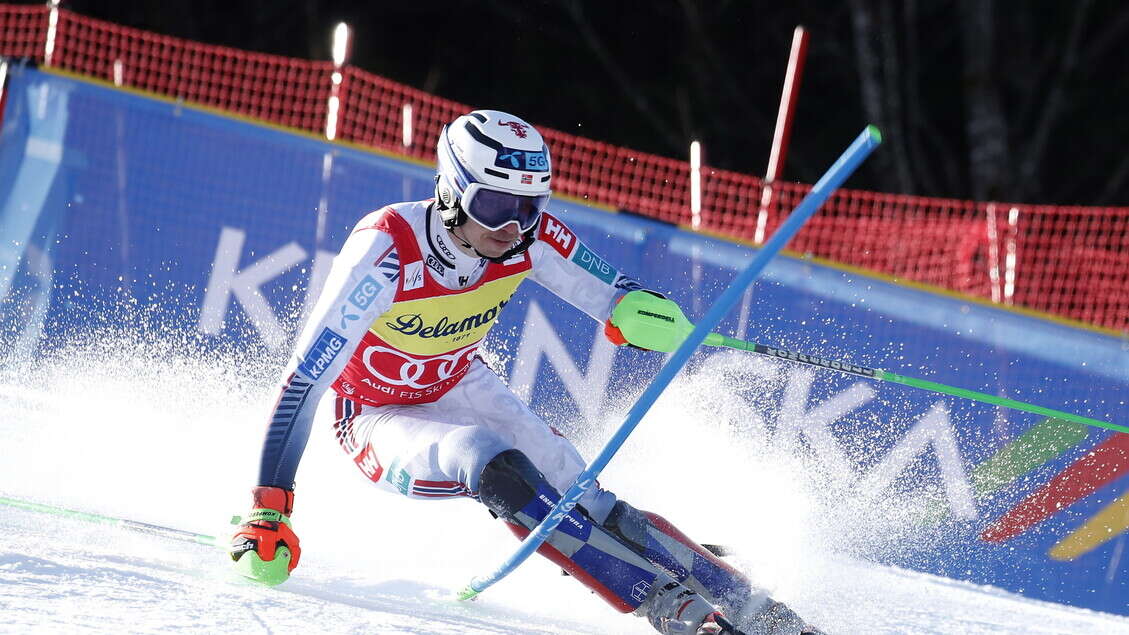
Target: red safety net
<point>23,31</point>
<point>1069,261</point>
<point>283,90</point>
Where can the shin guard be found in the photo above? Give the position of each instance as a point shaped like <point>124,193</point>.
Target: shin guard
<point>660,542</point>
<point>513,489</point>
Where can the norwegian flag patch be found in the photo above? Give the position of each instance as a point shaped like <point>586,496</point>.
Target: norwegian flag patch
<point>527,179</point>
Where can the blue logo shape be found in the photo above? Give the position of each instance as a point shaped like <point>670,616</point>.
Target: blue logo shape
<point>594,264</point>
<point>536,162</point>
<point>365,292</point>
<point>347,317</point>
<point>522,160</point>
<point>513,156</point>
<point>321,354</point>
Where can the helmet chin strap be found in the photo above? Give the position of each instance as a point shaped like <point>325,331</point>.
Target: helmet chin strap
<point>527,239</point>
<point>463,241</point>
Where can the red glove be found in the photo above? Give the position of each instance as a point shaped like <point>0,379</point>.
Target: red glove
<point>264,547</point>
<point>614,335</point>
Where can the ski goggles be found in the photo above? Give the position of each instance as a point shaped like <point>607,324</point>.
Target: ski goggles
<point>494,210</point>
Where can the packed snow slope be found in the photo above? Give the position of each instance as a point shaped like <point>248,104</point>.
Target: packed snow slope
<point>157,435</point>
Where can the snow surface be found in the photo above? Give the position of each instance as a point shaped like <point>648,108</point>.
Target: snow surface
<point>163,437</point>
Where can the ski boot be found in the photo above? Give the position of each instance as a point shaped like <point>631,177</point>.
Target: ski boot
<point>748,609</point>
<point>716,624</point>
<point>673,609</point>
<point>769,617</point>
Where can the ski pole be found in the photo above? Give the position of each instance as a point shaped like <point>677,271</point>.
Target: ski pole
<point>854,155</point>
<point>716,339</point>
<point>132,525</point>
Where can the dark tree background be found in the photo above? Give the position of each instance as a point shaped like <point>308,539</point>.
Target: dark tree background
<point>1009,100</point>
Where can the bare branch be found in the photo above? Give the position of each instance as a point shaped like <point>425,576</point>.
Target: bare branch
<point>727,82</point>
<point>862,22</point>
<point>1116,185</point>
<point>1113,34</point>
<point>985,126</point>
<point>918,125</point>
<point>637,98</point>
<point>891,72</point>
<point>1033,152</point>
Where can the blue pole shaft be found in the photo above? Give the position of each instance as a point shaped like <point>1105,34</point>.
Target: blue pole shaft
<point>862,146</point>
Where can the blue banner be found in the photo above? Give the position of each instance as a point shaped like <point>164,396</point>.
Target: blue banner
<point>119,211</point>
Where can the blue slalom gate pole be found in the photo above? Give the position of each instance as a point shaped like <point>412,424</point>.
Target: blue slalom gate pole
<point>843,167</point>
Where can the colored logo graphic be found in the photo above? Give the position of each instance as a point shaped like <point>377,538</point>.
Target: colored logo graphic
<point>365,292</point>
<point>1048,439</point>
<point>321,354</point>
<point>517,127</point>
<point>557,235</point>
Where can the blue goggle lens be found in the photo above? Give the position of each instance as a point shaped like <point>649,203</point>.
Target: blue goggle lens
<point>494,209</point>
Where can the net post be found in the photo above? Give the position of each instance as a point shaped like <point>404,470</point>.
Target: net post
<point>341,44</point>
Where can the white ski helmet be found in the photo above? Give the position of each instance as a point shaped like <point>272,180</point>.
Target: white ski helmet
<point>494,168</point>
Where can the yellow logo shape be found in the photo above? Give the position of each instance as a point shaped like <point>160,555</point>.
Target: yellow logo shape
<point>440,324</point>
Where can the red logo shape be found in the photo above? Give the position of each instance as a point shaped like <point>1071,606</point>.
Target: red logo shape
<point>369,464</point>
<point>557,235</point>
<point>518,128</point>
<point>526,179</point>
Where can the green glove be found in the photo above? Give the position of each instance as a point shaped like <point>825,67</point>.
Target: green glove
<point>264,546</point>
<point>645,319</point>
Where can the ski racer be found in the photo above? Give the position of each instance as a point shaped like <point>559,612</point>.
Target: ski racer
<point>395,333</point>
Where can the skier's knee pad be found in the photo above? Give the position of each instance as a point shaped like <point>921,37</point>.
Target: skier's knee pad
<point>629,525</point>
<point>508,482</point>
<point>463,452</point>
<point>640,528</point>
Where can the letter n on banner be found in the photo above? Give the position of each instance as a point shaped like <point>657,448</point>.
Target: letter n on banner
<point>539,337</point>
